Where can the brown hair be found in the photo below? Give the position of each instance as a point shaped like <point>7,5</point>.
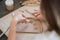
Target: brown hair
<point>47,7</point>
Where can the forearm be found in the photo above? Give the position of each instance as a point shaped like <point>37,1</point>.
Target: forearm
<point>12,32</point>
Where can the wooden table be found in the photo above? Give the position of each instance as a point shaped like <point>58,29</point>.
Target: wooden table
<point>5,21</point>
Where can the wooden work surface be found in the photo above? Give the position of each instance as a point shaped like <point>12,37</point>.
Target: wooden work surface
<point>5,21</point>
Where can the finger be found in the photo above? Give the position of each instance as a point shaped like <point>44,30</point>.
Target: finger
<point>36,15</point>
<point>36,12</point>
<point>22,20</point>
<point>23,15</point>
<point>40,17</point>
<point>15,14</point>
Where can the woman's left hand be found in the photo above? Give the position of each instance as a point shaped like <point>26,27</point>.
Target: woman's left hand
<point>17,18</point>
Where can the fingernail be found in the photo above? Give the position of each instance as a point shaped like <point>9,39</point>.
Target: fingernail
<point>23,15</point>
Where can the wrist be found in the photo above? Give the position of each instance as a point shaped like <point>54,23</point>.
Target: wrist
<point>13,23</point>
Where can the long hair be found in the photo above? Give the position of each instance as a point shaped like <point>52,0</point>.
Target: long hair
<point>47,8</point>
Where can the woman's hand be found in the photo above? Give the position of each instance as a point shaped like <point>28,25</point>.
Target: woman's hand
<point>17,17</point>
<point>37,15</point>
<point>44,23</point>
